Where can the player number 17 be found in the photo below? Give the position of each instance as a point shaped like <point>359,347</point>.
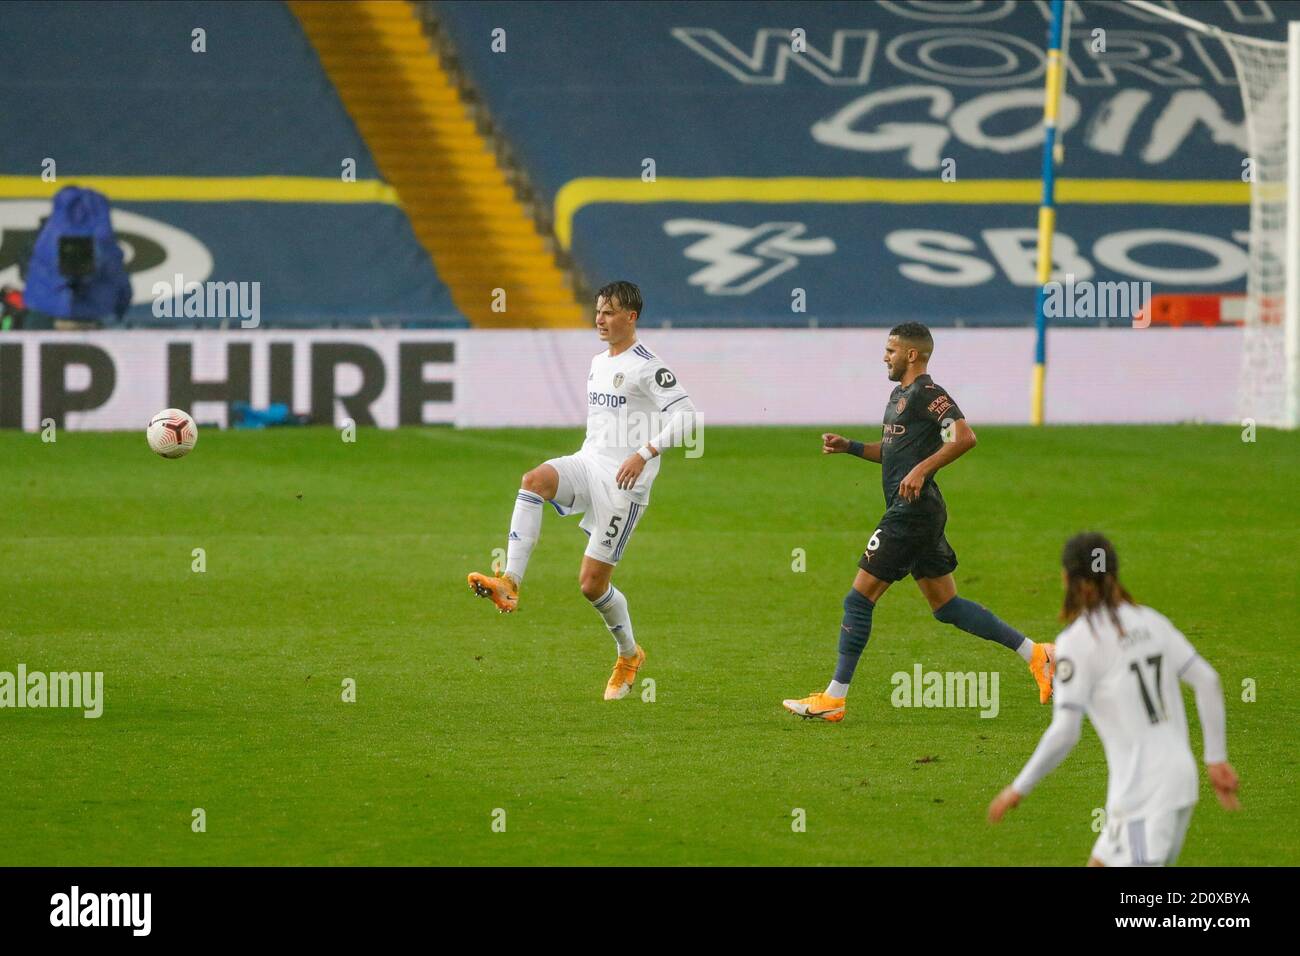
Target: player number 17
<point>1155,708</point>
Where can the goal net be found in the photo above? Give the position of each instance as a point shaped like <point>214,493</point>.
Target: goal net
<point>1268,73</point>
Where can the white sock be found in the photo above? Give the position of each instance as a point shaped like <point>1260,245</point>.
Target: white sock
<point>525,529</point>
<point>837,689</point>
<point>613,608</point>
<point>1026,649</point>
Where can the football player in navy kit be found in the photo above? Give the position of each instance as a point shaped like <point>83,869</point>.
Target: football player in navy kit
<point>923,431</point>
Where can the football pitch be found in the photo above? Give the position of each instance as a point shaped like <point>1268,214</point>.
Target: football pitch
<point>478,738</point>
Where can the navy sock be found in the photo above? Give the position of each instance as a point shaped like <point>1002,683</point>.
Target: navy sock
<point>854,631</point>
<point>980,621</point>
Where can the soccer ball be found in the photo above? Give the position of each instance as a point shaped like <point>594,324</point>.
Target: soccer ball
<point>172,433</point>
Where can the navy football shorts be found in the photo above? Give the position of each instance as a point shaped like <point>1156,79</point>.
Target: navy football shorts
<point>909,542</point>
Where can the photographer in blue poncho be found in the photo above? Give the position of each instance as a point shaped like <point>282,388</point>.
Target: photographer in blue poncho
<point>77,276</point>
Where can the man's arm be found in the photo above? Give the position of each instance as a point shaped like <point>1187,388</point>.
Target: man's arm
<point>833,444</point>
<point>681,424</point>
<point>1209,707</point>
<point>1056,743</point>
<point>680,428</point>
<point>1071,692</point>
<point>963,440</point>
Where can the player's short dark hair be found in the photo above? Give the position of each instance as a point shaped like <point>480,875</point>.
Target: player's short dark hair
<point>627,293</point>
<point>1092,577</point>
<point>917,334</point>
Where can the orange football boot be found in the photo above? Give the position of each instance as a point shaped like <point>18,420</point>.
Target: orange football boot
<point>1043,666</point>
<point>625,668</point>
<point>818,706</point>
<point>503,591</point>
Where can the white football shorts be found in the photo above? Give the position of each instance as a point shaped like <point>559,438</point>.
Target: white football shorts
<point>1154,839</point>
<point>609,513</point>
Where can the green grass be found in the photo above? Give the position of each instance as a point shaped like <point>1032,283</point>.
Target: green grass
<point>328,560</point>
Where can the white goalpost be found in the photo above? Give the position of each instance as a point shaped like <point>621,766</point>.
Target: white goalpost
<point>1268,73</point>
<point>1291,318</point>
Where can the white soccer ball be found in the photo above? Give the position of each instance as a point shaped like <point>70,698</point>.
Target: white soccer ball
<point>172,433</point>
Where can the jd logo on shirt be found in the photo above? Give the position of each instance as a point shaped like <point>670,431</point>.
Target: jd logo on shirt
<point>665,378</point>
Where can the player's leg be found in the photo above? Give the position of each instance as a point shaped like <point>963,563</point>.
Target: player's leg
<point>538,486</point>
<point>611,605</point>
<point>973,618</point>
<point>614,518</point>
<point>855,628</point>
<point>933,574</point>
<point>888,555</point>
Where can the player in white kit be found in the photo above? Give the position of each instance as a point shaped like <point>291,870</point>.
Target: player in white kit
<point>1121,663</point>
<point>635,410</point>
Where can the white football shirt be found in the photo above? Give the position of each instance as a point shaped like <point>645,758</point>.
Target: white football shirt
<point>1130,689</point>
<point>631,397</point>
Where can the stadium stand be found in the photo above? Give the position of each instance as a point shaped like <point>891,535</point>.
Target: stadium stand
<point>889,170</point>
<point>461,203</point>
<point>250,185</point>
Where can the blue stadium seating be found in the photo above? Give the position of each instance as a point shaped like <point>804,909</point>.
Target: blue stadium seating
<point>917,103</point>
<point>115,89</point>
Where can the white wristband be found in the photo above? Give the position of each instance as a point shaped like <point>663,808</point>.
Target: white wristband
<point>645,452</point>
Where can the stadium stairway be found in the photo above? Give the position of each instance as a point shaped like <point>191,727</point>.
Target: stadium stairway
<point>458,199</point>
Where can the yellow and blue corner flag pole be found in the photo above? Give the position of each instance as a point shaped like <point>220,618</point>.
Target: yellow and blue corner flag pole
<point>1047,211</point>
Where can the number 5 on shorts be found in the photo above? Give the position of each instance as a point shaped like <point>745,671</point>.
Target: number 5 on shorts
<point>612,533</point>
